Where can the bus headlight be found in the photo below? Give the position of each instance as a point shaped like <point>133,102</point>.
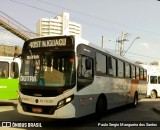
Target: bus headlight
<point>68,99</point>
<point>65,101</point>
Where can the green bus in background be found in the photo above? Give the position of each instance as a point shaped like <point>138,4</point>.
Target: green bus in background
<point>9,74</point>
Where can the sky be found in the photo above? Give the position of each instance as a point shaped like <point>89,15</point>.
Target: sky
<point>107,18</point>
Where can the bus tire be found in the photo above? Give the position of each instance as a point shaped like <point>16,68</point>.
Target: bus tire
<point>153,94</point>
<point>101,107</point>
<point>135,101</point>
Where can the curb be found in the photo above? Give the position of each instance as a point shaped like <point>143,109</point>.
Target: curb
<point>8,103</point>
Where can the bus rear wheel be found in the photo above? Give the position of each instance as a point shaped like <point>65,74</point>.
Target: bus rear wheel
<point>135,101</point>
<point>153,94</point>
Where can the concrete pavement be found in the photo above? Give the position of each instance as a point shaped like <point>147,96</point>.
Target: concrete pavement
<point>156,108</point>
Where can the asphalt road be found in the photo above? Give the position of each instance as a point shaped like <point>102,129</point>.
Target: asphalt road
<point>143,114</point>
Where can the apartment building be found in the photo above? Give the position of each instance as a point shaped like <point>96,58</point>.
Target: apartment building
<point>60,25</point>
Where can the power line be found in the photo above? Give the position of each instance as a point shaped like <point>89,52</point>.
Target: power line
<point>138,56</point>
<point>32,6</point>
<point>98,18</point>
<point>91,24</point>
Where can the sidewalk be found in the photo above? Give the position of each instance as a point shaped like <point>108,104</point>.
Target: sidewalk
<point>156,108</point>
<point>8,102</point>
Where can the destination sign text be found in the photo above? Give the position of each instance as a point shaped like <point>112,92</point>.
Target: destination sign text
<point>48,43</point>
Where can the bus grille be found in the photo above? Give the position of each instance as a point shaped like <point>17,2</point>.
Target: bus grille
<point>45,109</point>
<point>46,93</point>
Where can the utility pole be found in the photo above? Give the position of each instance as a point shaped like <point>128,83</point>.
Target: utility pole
<point>121,43</point>
<point>102,41</point>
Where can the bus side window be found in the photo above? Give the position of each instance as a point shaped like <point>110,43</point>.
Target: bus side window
<point>145,74</point>
<point>120,68</point>
<point>141,74</point>
<point>4,67</point>
<point>86,72</point>
<point>14,70</point>
<point>133,72</point>
<point>137,73</point>
<point>153,79</point>
<point>101,64</point>
<point>158,79</point>
<point>112,67</point>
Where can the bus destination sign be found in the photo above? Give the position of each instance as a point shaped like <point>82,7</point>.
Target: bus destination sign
<point>48,43</point>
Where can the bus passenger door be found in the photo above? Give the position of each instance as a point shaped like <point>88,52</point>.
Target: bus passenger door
<point>85,72</point>
<point>84,86</point>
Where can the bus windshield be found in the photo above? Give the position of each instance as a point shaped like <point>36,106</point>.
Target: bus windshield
<point>48,69</point>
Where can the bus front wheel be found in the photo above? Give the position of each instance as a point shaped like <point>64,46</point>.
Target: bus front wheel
<point>153,94</point>
<point>101,107</point>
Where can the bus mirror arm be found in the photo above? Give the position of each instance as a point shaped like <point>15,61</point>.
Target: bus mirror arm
<point>17,56</point>
<point>14,66</point>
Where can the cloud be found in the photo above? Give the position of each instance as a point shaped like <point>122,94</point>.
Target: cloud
<point>146,45</point>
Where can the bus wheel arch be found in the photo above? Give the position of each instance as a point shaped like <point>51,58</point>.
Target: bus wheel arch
<point>153,94</point>
<point>101,106</point>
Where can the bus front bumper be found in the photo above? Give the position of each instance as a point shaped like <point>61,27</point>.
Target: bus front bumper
<point>67,111</point>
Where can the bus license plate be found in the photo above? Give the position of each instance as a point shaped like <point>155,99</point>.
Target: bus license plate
<point>37,110</point>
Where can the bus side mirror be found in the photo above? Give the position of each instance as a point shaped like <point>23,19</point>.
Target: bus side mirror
<point>17,56</point>
<point>88,64</point>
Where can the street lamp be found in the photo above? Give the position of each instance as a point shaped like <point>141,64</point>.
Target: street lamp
<point>131,45</point>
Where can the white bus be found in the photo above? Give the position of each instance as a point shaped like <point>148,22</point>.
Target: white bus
<point>153,89</point>
<point>9,73</point>
<point>67,77</point>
